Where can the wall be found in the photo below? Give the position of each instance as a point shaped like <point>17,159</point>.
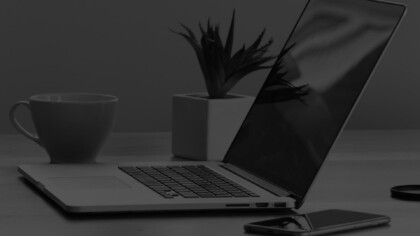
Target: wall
<point>126,48</point>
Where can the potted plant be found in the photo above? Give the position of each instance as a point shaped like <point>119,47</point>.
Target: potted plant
<point>204,125</point>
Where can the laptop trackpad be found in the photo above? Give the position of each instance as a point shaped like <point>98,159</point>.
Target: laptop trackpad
<point>88,182</point>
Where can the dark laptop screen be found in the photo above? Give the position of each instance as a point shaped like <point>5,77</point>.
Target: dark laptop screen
<point>311,90</point>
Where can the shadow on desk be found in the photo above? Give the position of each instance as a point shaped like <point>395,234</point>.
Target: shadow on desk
<point>176,214</point>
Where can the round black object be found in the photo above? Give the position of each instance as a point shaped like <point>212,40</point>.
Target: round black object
<point>406,192</point>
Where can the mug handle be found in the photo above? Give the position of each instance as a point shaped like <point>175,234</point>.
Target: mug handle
<point>18,126</point>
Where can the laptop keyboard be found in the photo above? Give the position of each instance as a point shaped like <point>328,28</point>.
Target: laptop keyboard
<point>186,181</point>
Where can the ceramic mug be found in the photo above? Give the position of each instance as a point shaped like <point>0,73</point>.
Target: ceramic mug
<point>72,127</point>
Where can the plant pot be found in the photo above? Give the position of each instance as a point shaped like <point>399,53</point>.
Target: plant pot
<point>203,128</point>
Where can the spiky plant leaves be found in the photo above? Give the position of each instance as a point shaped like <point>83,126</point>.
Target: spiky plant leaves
<point>257,42</point>
<point>221,70</point>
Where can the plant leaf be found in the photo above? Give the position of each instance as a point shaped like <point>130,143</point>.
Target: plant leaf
<point>257,41</point>
<point>229,40</point>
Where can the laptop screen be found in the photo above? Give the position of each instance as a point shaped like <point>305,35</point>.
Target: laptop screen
<point>311,90</point>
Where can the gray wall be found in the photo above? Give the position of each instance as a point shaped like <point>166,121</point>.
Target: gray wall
<point>125,48</point>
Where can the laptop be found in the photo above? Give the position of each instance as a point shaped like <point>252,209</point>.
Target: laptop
<point>279,149</point>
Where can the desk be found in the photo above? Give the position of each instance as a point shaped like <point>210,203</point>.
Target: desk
<point>362,167</point>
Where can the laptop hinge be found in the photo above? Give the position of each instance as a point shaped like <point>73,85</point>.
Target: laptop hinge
<point>256,180</point>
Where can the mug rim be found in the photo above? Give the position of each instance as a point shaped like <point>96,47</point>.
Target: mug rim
<point>104,98</point>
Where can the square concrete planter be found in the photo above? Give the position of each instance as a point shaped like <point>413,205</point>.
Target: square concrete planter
<point>202,128</point>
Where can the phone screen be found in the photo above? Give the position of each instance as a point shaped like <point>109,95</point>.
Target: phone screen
<point>321,220</point>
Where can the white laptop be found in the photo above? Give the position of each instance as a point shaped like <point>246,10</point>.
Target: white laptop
<point>283,141</point>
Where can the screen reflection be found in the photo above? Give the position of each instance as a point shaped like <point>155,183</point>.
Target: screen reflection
<point>311,89</point>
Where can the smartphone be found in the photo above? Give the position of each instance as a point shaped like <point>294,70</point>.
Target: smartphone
<point>317,223</point>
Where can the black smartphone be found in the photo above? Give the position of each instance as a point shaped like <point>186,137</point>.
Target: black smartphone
<point>317,223</point>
